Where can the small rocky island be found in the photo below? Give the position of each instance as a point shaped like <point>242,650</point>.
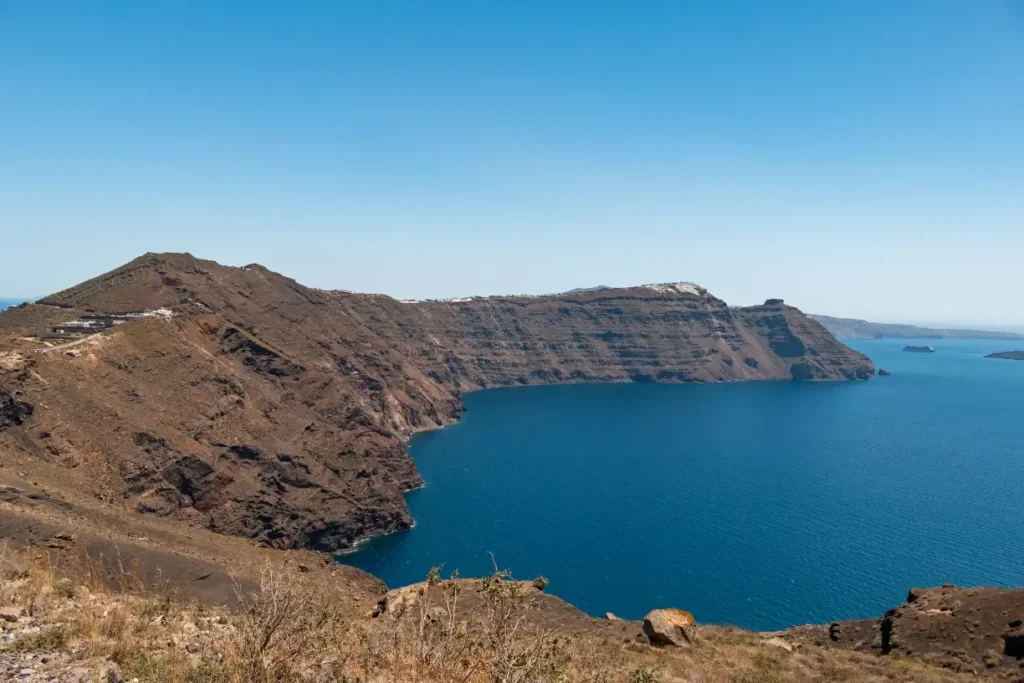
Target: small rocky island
<point>1008,355</point>
<point>919,349</point>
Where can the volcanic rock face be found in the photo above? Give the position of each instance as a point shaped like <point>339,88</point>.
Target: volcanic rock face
<point>635,334</point>
<point>972,630</point>
<point>267,409</point>
<point>12,411</point>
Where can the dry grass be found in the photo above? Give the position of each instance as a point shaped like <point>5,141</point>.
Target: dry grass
<point>290,630</point>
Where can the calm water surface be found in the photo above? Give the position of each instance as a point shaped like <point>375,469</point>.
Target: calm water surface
<point>756,504</point>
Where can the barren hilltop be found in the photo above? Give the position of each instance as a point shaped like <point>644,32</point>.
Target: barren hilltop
<point>211,427</point>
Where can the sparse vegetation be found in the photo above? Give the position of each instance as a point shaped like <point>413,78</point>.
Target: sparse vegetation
<point>643,675</point>
<point>288,629</point>
<point>64,588</point>
<point>49,639</point>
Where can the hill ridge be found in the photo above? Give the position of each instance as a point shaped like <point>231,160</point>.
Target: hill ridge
<point>268,409</point>
<point>854,328</point>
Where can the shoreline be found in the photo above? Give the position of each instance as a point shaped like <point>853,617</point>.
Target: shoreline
<point>408,437</point>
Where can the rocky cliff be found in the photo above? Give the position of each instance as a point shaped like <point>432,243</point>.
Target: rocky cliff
<point>267,409</point>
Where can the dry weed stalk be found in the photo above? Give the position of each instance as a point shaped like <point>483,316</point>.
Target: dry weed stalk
<point>446,647</point>
<point>519,651</point>
<point>286,629</point>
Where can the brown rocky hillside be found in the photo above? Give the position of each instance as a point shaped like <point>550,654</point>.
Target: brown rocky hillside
<point>266,409</point>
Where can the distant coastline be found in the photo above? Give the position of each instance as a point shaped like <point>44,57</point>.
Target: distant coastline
<point>6,303</point>
<point>853,328</point>
<point>1007,355</point>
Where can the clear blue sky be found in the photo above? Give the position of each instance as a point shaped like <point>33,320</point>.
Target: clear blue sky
<point>861,158</point>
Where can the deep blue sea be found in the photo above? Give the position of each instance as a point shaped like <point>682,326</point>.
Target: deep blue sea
<point>759,504</point>
<point>7,303</point>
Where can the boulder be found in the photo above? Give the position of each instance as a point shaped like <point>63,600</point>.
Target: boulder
<point>611,617</point>
<point>670,627</point>
<point>398,600</point>
<point>13,412</point>
<point>1013,640</point>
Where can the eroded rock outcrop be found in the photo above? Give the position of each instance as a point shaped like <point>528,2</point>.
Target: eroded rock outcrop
<point>969,630</point>
<point>12,411</point>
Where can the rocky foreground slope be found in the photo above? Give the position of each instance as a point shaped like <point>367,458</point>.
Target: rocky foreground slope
<point>301,624</point>
<point>267,409</point>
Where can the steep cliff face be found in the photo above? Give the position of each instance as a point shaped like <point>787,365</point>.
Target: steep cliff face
<point>652,333</point>
<point>270,410</point>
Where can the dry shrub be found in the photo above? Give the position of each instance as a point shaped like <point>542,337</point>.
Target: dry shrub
<point>433,638</point>
<point>173,667</point>
<point>758,676</point>
<point>27,579</point>
<point>291,630</point>
<point>115,625</point>
<point>65,588</point>
<point>50,639</point>
<point>445,649</point>
<point>287,629</point>
<point>518,650</point>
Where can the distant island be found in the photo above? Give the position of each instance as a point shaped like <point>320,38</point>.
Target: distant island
<point>919,349</point>
<point>1007,355</point>
<point>851,328</point>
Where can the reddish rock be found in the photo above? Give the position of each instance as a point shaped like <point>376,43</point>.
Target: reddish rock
<point>670,627</point>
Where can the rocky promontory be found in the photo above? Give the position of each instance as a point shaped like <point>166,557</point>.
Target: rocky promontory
<point>255,406</point>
